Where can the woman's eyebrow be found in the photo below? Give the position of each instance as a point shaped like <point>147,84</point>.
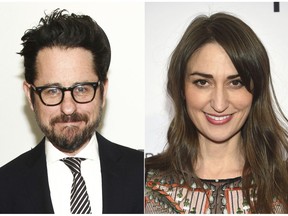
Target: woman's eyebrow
<point>196,73</point>
<point>210,76</point>
<point>233,76</point>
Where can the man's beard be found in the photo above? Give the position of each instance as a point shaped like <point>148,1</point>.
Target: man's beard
<point>70,139</point>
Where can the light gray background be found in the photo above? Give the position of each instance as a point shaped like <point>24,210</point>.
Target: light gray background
<point>166,22</point>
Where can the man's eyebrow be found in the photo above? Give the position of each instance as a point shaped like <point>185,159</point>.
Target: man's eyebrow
<point>56,84</point>
<point>210,76</point>
<point>52,84</point>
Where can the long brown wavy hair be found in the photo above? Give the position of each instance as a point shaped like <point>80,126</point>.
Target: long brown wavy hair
<point>264,134</point>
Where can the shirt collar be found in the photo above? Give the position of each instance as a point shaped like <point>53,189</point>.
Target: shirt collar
<point>90,151</point>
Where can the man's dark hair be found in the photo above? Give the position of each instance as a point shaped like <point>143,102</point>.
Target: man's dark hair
<point>66,31</point>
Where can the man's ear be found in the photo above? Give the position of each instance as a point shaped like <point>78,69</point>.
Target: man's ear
<point>26,88</point>
<point>105,88</point>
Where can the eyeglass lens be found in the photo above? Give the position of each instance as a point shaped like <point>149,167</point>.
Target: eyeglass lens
<point>83,93</point>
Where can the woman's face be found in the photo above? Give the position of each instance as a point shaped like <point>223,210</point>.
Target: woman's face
<point>217,102</point>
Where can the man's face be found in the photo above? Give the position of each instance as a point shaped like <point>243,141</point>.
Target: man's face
<point>69,125</point>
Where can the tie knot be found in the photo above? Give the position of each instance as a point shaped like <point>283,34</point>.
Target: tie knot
<point>73,163</point>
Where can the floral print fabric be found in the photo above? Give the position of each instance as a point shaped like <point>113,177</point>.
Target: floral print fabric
<point>163,195</point>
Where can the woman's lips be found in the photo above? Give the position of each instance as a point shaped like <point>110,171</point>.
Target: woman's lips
<point>217,119</point>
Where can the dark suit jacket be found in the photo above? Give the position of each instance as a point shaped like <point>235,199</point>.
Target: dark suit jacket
<point>24,184</point>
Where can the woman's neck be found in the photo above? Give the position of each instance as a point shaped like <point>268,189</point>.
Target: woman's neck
<point>220,160</point>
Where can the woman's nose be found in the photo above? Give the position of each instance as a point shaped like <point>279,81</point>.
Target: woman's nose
<point>219,99</point>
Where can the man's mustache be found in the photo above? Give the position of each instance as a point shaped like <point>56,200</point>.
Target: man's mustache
<point>69,118</point>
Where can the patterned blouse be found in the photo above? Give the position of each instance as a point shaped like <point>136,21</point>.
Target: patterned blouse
<point>164,196</point>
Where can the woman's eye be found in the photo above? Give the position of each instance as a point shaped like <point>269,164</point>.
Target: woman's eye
<point>201,83</point>
<point>236,83</point>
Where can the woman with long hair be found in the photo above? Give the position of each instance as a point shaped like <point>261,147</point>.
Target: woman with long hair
<point>227,142</point>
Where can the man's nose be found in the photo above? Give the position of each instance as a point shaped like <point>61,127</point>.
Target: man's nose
<point>68,105</point>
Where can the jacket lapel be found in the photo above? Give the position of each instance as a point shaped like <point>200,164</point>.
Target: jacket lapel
<point>36,181</point>
<point>111,181</point>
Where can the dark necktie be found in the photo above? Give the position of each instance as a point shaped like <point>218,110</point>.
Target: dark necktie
<point>79,199</point>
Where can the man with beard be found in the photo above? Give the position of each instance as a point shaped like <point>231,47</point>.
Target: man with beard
<point>73,169</point>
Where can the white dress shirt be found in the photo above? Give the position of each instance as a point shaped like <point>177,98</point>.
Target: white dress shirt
<point>60,177</point>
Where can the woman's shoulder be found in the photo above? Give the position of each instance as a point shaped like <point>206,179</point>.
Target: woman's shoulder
<point>154,176</point>
<point>158,199</point>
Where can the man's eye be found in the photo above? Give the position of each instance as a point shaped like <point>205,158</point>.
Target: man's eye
<point>52,91</point>
<point>80,89</point>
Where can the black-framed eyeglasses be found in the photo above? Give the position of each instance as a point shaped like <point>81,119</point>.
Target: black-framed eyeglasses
<point>53,95</point>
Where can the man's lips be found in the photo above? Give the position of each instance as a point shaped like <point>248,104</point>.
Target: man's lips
<point>67,123</point>
<point>218,119</point>
<point>72,119</point>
